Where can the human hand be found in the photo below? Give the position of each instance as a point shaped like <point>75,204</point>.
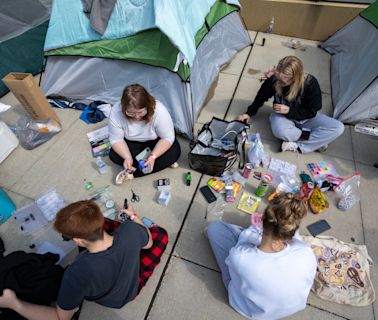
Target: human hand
<point>129,211</point>
<point>244,118</point>
<point>281,108</point>
<point>270,72</point>
<point>150,162</point>
<point>8,299</point>
<point>128,164</point>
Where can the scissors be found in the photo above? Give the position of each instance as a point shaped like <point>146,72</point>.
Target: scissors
<point>135,197</point>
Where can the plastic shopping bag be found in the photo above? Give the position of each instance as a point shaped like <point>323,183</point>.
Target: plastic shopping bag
<point>348,192</point>
<point>32,133</point>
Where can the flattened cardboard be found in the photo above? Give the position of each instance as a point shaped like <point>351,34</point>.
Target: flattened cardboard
<point>27,91</point>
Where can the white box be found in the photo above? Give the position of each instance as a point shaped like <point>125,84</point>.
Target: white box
<point>8,140</point>
<point>164,198</point>
<point>163,185</point>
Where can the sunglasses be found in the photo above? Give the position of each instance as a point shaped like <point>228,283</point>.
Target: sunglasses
<point>66,238</point>
<point>141,113</point>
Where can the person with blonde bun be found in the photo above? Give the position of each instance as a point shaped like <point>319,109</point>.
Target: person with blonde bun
<point>297,100</point>
<point>268,274</point>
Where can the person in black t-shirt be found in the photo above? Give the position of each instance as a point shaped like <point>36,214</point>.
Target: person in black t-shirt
<point>110,272</point>
<point>297,99</point>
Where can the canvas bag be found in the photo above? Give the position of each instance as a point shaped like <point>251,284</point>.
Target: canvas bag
<point>343,274</point>
<point>218,146</point>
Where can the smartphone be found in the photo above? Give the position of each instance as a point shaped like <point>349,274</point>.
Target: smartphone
<point>148,222</point>
<point>318,227</point>
<point>208,194</point>
<point>143,155</point>
<point>305,134</point>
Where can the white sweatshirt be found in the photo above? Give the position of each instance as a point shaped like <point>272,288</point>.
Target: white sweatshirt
<point>270,285</point>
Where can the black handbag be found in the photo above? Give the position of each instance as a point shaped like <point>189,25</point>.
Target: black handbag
<point>218,146</point>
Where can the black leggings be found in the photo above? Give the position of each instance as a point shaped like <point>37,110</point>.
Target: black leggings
<point>164,161</point>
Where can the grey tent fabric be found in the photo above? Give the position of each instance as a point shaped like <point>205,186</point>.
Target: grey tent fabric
<point>354,71</point>
<point>364,107</point>
<point>78,78</point>
<point>23,26</point>
<point>19,16</point>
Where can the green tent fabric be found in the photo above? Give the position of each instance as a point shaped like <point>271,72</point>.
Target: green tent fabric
<point>371,14</point>
<point>23,53</point>
<point>151,47</point>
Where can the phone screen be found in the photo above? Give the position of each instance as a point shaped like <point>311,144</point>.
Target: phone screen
<point>318,227</point>
<point>147,222</point>
<point>144,154</point>
<point>208,194</point>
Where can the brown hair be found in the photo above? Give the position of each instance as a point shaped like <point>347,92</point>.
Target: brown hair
<point>291,66</point>
<point>81,219</point>
<point>136,96</point>
<point>283,216</point>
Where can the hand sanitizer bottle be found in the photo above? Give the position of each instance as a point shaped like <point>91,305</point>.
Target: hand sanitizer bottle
<point>101,165</point>
<point>271,25</point>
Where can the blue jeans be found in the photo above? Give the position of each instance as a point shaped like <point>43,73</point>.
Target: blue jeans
<point>324,130</point>
<point>222,237</point>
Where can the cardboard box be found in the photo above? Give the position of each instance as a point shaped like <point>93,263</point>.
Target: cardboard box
<point>30,95</point>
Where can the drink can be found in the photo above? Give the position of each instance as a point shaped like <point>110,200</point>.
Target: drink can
<point>263,187</point>
<point>247,170</point>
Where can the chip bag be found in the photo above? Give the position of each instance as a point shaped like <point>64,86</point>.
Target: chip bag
<point>317,201</point>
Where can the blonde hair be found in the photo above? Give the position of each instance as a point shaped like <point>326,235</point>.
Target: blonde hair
<point>292,67</point>
<point>283,216</point>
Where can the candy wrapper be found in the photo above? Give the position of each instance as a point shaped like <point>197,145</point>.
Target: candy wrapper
<point>249,202</point>
<point>317,201</point>
<point>215,184</point>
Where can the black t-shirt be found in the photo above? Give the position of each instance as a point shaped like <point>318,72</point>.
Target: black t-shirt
<point>304,106</point>
<point>109,277</point>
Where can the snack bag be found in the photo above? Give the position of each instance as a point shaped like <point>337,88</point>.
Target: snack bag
<point>317,201</point>
<point>249,202</point>
<point>215,184</point>
<point>304,191</point>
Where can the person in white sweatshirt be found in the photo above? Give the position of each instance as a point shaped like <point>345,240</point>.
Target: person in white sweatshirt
<point>268,273</point>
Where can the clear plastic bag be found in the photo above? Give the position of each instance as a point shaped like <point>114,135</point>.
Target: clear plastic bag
<point>348,192</point>
<point>32,133</point>
<point>256,155</point>
<point>215,210</point>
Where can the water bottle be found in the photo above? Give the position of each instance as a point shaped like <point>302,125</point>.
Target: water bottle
<point>101,165</point>
<point>271,25</point>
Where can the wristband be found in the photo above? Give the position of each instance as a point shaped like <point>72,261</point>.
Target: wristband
<point>152,155</point>
<point>132,217</point>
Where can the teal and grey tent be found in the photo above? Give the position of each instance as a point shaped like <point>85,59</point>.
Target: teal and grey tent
<point>354,68</point>
<point>23,26</point>
<point>176,53</point>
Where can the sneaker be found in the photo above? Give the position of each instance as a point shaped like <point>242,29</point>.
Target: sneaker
<point>123,176</point>
<point>174,165</point>
<point>289,146</point>
<point>323,148</point>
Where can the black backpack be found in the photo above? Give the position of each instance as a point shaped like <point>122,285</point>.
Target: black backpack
<point>218,146</point>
